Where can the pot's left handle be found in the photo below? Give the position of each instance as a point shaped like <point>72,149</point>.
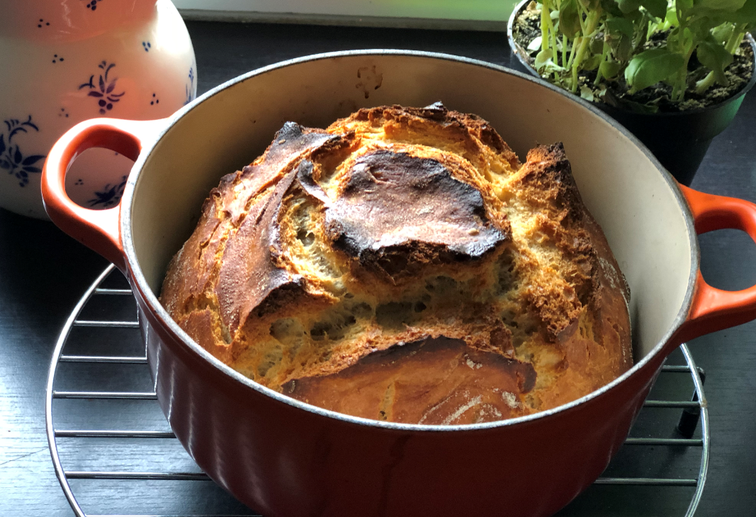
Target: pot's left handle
<point>97,229</point>
<point>715,309</point>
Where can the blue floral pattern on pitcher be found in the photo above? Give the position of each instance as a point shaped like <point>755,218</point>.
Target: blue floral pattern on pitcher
<point>190,87</point>
<point>12,159</point>
<point>91,4</point>
<point>109,196</point>
<point>104,88</point>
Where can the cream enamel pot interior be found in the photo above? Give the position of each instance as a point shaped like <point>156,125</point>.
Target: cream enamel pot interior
<point>286,458</point>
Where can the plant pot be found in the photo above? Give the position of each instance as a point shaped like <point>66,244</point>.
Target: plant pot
<point>678,140</point>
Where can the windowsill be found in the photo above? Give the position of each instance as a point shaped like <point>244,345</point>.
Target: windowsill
<point>441,14</point>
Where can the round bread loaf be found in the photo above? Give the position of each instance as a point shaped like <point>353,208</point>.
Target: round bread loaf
<point>403,265</point>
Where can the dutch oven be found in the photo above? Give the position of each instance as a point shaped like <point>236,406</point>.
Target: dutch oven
<point>287,458</point>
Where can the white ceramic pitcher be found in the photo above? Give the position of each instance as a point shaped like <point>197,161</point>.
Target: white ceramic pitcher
<point>64,61</point>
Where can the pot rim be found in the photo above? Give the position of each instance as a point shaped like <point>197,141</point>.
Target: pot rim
<point>516,50</point>
<point>149,298</point>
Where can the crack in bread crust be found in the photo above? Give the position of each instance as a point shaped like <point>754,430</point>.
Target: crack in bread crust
<point>337,248</point>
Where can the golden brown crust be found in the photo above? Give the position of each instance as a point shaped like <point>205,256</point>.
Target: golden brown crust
<point>434,381</point>
<point>311,268</point>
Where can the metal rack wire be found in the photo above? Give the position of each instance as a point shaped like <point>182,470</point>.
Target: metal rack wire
<point>104,424</point>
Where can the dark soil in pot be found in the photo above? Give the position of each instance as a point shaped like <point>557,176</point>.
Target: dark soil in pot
<point>677,133</point>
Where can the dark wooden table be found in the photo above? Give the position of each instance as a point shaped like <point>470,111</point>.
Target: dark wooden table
<point>43,273</point>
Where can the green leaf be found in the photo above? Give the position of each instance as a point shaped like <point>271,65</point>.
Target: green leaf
<point>700,29</point>
<point>746,14</point>
<point>596,46</point>
<point>610,69</point>
<point>586,93</point>
<point>592,63</point>
<point>590,5</point>
<point>657,8</point>
<point>672,17</point>
<point>680,40</point>
<point>722,33</point>
<point>620,26</point>
<point>636,17</point>
<point>569,18</point>
<point>628,6</point>
<point>611,7</point>
<point>542,58</point>
<point>652,66</point>
<point>621,45</point>
<point>714,56</point>
<point>719,5</point>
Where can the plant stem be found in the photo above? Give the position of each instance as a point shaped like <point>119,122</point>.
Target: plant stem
<point>554,50</point>
<point>599,75</point>
<point>545,24</point>
<point>591,22</point>
<point>578,61</point>
<point>705,83</point>
<point>548,34</point>
<point>735,38</point>
<point>572,53</point>
<point>564,50</point>
<point>681,84</point>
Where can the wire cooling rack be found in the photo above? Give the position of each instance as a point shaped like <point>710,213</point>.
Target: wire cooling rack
<point>114,454</point>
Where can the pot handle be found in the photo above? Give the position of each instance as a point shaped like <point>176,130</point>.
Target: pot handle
<point>97,229</point>
<point>714,309</point>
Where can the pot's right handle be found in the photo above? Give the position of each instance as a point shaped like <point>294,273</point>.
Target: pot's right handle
<point>97,229</point>
<point>714,309</point>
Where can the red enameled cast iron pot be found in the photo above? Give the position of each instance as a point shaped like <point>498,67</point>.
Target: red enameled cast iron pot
<point>286,458</point>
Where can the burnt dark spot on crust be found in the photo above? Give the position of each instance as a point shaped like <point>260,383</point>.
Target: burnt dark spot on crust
<point>492,139</point>
<point>549,174</point>
<point>397,209</point>
<point>286,293</point>
<point>292,138</point>
<point>305,179</point>
<point>291,141</point>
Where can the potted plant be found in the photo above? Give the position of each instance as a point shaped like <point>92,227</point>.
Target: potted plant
<point>674,72</point>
